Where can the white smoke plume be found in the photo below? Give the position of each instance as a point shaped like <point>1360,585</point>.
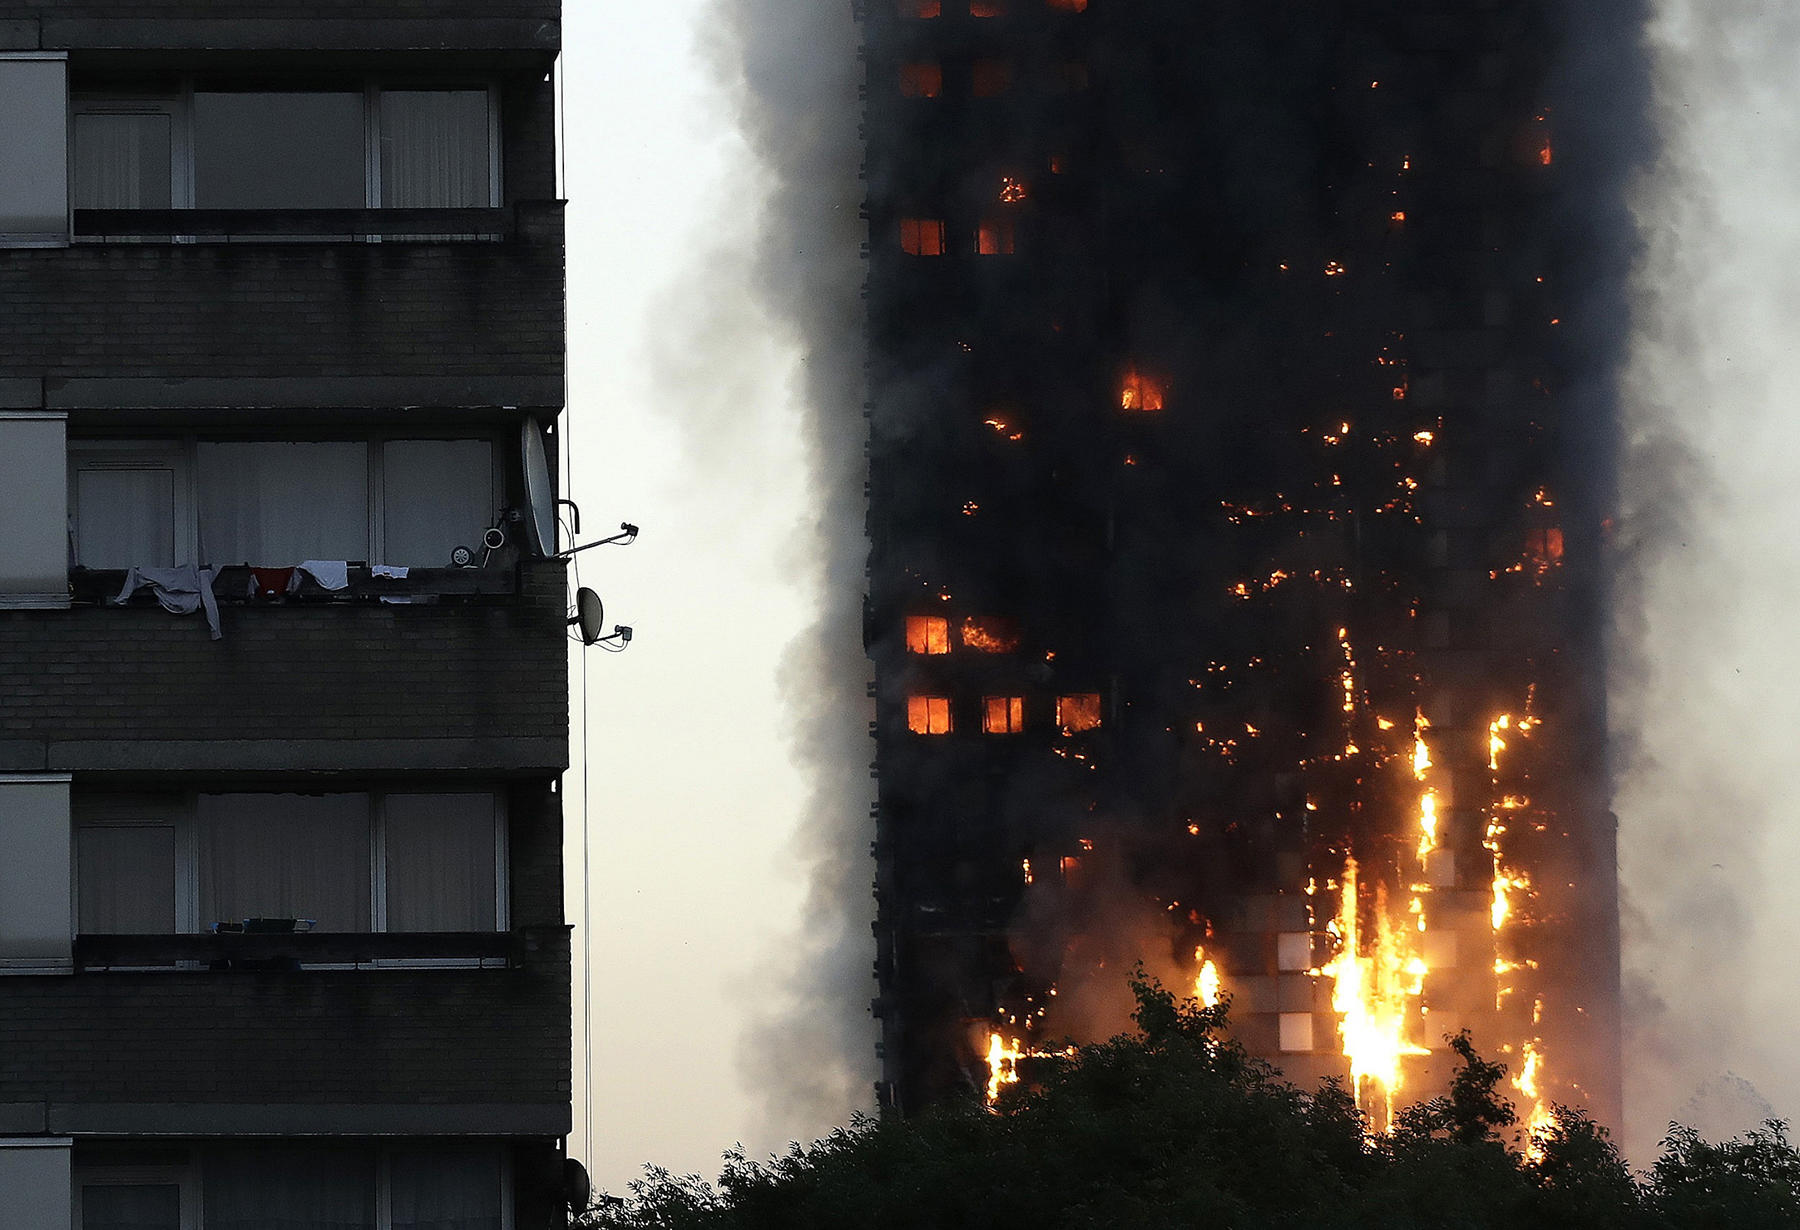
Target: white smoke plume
<point>1703,697</point>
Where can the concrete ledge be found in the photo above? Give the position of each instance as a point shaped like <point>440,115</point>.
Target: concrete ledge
<point>211,756</point>
<point>309,392</point>
<point>302,34</point>
<point>21,393</point>
<point>24,1118</point>
<point>307,1119</point>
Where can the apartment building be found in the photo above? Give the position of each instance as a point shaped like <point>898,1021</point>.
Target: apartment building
<point>283,699</point>
<point>1240,446</point>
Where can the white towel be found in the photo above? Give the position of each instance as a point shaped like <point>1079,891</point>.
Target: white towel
<point>394,572</point>
<point>329,573</point>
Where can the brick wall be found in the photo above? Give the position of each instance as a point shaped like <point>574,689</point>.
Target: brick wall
<point>326,672</point>
<point>432,1036</point>
<point>245,310</point>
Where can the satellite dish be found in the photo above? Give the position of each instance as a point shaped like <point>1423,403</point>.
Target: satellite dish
<point>590,615</point>
<point>540,496</point>
<point>578,1189</point>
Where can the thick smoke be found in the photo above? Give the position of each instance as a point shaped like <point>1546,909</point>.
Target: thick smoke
<point>1703,700</point>
<point>791,67</point>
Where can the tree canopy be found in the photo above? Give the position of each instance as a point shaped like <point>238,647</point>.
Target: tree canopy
<point>1177,1126</point>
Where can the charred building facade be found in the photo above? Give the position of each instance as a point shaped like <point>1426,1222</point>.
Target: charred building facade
<point>281,915</point>
<point>1238,471</point>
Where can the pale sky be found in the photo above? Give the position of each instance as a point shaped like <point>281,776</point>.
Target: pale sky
<point>692,795</point>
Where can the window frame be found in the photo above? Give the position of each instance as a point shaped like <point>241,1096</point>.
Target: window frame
<point>184,1177</point>
<point>179,106</point>
<point>180,810</point>
<point>182,452</point>
<point>188,1176</point>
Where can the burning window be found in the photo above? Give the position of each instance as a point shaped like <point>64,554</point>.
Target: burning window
<point>989,78</point>
<point>1002,715</point>
<point>1544,548</point>
<point>1012,190</point>
<point>994,237</point>
<point>922,236</point>
<point>990,634</point>
<point>1080,711</point>
<point>1140,392</point>
<point>924,80</point>
<point>927,634</point>
<point>1068,6</point>
<point>919,9</point>
<point>928,715</point>
<point>987,8</point>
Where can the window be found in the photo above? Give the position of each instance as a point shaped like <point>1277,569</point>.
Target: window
<point>1293,950</point>
<point>434,1185</point>
<point>1140,392</point>
<point>990,634</point>
<point>927,634</point>
<point>278,502</point>
<point>928,715</point>
<point>989,78</point>
<point>136,1197</point>
<point>1068,6</point>
<point>34,550</point>
<point>34,191</point>
<point>1002,715</point>
<point>922,236</point>
<point>1080,711</point>
<point>351,148</point>
<point>994,237</point>
<point>921,80</point>
<point>397,861</point>
<point>920,9</point>
<point>1296,1029</point>
<point>987,8</point>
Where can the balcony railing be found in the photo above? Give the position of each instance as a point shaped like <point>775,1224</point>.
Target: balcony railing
<point>256,952</point>
<point>292,225</point>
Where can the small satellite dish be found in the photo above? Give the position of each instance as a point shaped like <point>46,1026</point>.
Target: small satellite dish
<point>540,519</point>
<point>578,1189</point>
<point>590,615</point>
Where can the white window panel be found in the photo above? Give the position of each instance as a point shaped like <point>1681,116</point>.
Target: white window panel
<point>34,546</point>
<point>1293,950</point>
<point>34,145</point>
<point>278,502</point>
<point>436,495</point>
<point>36,922</point>
<point>34,1183</point>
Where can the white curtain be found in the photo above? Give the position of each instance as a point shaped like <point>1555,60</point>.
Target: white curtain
<point>440,862</point>
<point>125,518</point>
<point>125,879</point>
<point>434,149</point>
<point>436,495</point>
<point>130,1206</point>
<point>446,1188</point>
<point>288,1188</point>
<point>279,502</point>
<point>285,856</point>
<point>121,161</point>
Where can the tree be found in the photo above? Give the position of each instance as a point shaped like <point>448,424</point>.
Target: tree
<point>1177,1126</point>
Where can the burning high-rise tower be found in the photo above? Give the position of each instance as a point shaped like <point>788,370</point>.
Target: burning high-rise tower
<point>1239,459</point>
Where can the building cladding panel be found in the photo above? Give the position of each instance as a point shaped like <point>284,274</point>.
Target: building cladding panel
<point>412,337</point>
<point>1235,365</point>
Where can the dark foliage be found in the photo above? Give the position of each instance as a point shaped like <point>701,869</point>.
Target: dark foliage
<point>1178,1127</point>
